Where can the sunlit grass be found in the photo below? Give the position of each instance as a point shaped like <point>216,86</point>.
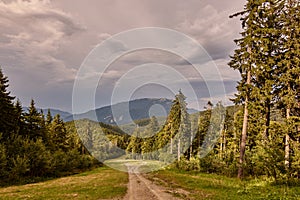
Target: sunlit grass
<point>143,165</point>
<point>100,183</point>
<point>210,186</point>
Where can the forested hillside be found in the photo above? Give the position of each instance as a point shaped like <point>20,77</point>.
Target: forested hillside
<point>35,145</point>
<point>208,141</point>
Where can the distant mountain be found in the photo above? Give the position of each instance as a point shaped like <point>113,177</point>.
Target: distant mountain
<point>123,113</point>
<point>192,110</point>
<point>119,113</point>
<point>63,114</point>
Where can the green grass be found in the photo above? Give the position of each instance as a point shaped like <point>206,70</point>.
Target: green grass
<point>106,183</point>
<point>210,186</point>
<point>100,183</point>
<point>144,165</point>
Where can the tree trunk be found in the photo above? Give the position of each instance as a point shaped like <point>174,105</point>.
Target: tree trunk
<point>244,131</point>
<point>221,147</point>
<point>191,146</point>
<point>225,141</point>
<point>287,144</point>
<point>268,115</point>
<point>178,150</point>
<point>171,146</point>
<point>222,129</point>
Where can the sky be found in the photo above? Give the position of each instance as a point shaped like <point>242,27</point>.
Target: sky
<point>43,44</point>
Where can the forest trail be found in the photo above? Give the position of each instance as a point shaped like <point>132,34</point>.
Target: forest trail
<point>140,187</point>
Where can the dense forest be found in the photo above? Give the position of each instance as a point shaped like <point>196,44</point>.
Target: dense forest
<point>268,58</point>
<point>35,146</point>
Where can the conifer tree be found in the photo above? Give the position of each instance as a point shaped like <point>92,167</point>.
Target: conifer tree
<point>58,134</point>
<point>3,159</point>
<point>7,111</point>
<point>288,82</point>
<point>154,126</point>
<point>34,123</point>
<point>49,117</point>
<point>184,133</point>
<point>20,121</point>
<point>242,61</point>
<point>255,59</point>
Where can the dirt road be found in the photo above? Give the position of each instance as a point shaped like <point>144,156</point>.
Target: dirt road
<point>140,188</point>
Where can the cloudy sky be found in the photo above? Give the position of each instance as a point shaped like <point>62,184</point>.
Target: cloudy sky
<point>43,43</point>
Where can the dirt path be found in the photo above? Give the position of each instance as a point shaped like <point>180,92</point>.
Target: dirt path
<point>140,188</point>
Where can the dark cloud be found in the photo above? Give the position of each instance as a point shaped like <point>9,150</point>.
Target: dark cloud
<point>43,42</point>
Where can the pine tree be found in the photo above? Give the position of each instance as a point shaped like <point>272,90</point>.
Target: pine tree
<point>256,61</point>
<point>288,80</point>
<point>154,126</point>
<point>34,123</point>
<point>184,137</point>
<point>7,110</point>
<point>203,126</point>
<point>134,147</point>
<point>49,117</point>
<point>3,159</point>
<point>20,121</point>
<point>58,134</point>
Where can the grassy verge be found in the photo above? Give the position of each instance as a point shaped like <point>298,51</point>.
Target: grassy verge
<point>100,183</point>
<point>144,165</point>
<point>210,186</point>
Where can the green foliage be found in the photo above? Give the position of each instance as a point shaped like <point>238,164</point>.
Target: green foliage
<point>19,167</point>
<point>267,58</point>
<point>3,159</point>
<point>189,165</point>
<point>57,134</point>
<point>219,187</point>
<point>32,146</point>
<point>7,111</point>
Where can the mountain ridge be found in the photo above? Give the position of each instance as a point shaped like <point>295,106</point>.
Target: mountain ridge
<point>124,112</point>
<point>120,113</point>
<point>54,111</point>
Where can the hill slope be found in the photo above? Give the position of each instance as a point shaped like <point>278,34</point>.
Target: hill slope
<point>122,113</point>
<point>63,114</point>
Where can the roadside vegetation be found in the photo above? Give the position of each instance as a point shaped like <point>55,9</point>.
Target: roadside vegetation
<point>217,187</point>
<point>99,183</point>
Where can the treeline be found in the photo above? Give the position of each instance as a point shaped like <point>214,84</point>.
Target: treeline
<point>102,141</point>
<point>34,146</point>
<point>268,59</point>
<point>206,141</point>
<point>210,142</point>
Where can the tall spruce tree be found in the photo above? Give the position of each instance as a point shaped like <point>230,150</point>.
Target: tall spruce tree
<point>58,134</point>
<point>184,141</point>
<point>20,121</point>
<point>203,126</point>
<point>7,110</point>
<point>255,59</point>
<point>34,123</point>
<point>242,60</point>
<point>288,82</point>
<point>49,117</point>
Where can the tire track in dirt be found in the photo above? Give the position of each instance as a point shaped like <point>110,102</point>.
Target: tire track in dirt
<point>140,188</point>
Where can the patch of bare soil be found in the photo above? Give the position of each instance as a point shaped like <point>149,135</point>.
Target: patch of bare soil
<point>140,188</point>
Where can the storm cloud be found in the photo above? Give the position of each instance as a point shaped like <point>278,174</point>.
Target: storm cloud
<point>43,42</point>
